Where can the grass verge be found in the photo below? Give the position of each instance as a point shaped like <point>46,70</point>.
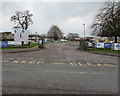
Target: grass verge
<point>21,46</point>
<point>101,50</point>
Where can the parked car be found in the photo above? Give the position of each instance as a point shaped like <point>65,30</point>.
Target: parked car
<point>62,40</point>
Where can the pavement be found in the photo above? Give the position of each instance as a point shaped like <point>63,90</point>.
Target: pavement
<point>59,69</point>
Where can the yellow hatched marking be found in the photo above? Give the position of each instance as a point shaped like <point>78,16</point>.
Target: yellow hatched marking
<point>15,61</point>
<point>79,64</point>
<point>99,64</point>
<point>110,65</point>
<point>105,65</point>
<point>72,63</point>
<point>39,62</point>
<point>57,63</point>
<point>30,62</point>
<point>23,62</point>
<point>89,64</point>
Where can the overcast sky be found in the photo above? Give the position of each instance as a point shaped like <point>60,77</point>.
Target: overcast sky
<point>69,16</point>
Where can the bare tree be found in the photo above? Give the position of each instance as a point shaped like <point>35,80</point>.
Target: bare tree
<point>72,35</point>
<point>55,32</point>
<point>107,22</point>
<point>22,19</point>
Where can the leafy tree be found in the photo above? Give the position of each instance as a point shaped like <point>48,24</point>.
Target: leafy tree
<point>107,22</point>
<point>22,19</point>
<point>55,32</point>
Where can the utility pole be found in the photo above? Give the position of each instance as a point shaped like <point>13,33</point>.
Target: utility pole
<point>84,29</point>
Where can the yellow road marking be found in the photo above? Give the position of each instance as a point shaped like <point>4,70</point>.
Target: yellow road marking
<point>23,62</point>
<point>105,65</point>
<point>79,64</point>
<point>89,64</point>
<point>99,64</point>
<point>39,62</point>
<point>3,61</point>
<point>15,61</point>
<point>30,62</point>
<point>71,63</point>
<point>57,63</point>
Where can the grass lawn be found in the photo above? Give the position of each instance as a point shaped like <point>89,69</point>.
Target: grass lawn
<point>102,50</point>
<point>33,45</point>
<point>20,47</point>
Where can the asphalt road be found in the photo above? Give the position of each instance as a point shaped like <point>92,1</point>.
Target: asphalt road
<point>59,69</point>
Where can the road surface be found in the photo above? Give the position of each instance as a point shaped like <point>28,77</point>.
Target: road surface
<point>59,69</point>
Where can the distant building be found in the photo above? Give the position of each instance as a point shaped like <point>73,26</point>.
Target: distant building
<point>20,34</point>
<point>6,36</point>
<point>34,37</point>
<point>90,38</point>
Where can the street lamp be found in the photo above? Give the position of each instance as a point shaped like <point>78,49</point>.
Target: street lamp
<point>84,29</point>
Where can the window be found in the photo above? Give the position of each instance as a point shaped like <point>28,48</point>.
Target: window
<point>20,35</point>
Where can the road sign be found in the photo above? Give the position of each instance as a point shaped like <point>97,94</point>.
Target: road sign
<point>40,42</point>
<point>116,46</point>
<point>3,44</point>
<point>100,45</point>
<point>107,45</point>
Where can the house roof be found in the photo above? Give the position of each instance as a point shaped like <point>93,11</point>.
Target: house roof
<point>6,33</point>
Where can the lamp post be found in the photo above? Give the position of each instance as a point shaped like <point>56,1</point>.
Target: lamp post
<point>84,29</point>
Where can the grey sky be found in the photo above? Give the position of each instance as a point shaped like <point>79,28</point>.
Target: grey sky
<point>69,16</point>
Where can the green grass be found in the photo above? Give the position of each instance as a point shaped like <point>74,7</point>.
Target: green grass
<point>33,45</point>
<point>103,50</point>
<point>20,47</point>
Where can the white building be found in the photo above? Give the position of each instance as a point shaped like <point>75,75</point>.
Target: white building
<point>20,34</point>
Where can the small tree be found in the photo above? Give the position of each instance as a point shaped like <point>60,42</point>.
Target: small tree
<point>55,32</point>
<point>22,19</point>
